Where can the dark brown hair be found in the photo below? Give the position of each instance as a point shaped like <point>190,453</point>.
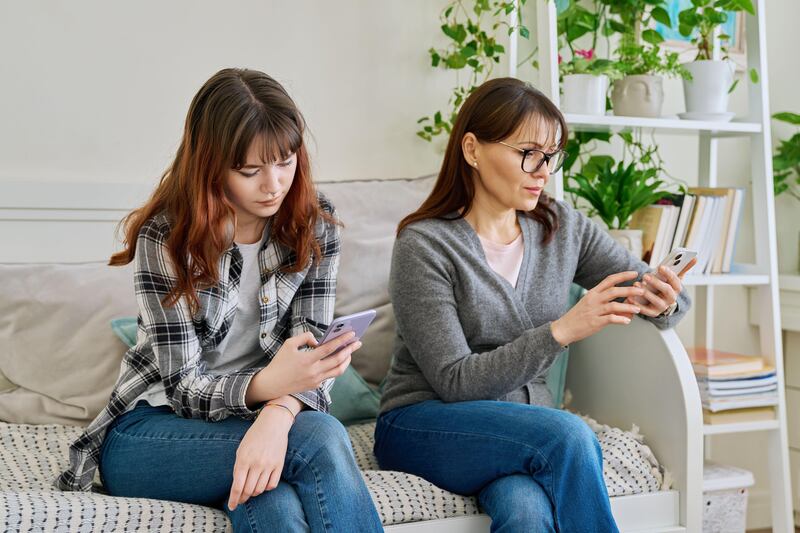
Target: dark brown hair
<point>492,112</point>
<point>231,110</point>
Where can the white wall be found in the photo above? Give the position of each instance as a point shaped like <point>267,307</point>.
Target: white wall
<point>97,91</point>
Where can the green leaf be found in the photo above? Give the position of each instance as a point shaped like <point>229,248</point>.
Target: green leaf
<point>786,116</point>
<point>652,37</point>
<point>661,15</point>
<point>747,5</point>
<point>468,51</point>
<point>618,26</point>
<point>733,86</point>
<point>457,32</point>
<point>524,33</point>
<point>456,61</point>
<point>753,75</point>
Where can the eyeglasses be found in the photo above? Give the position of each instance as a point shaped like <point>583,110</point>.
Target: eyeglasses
<point>533,159</point>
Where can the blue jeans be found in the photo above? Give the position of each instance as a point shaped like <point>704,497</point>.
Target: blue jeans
<point>532,468</point>
<point>150,452</point>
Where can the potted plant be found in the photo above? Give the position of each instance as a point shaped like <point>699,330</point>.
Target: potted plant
<point>614,193</point>
<point>640,59</point>
<point>584,76</point>
<point>706,91</point>
<point>640,93</point>
<point>585,81</point>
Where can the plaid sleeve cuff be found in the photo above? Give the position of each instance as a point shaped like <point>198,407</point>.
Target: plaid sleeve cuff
<point>316,399</point>
<point>235,390</point>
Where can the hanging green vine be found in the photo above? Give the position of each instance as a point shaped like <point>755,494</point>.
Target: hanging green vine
<point>471,27</point>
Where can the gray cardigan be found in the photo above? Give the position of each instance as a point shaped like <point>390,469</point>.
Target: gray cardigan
<point>464,333</point>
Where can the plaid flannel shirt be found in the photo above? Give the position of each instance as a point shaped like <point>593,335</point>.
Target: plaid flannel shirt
<point>171,341</point>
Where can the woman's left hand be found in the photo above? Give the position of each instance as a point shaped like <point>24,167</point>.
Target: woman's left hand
<point>662,291</point>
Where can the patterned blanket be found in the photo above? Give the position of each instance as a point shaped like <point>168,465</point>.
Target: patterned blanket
<point>32,455</point>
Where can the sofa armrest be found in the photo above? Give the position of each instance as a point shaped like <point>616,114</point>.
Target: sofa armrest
<point>638,374</point>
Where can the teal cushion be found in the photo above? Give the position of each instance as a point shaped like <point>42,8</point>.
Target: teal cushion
<point>125,329</point>
<point>352,399</point>
<point>557,375</point>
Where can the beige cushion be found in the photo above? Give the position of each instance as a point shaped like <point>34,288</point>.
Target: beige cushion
<point>56,343</point>
<point>370,211</point>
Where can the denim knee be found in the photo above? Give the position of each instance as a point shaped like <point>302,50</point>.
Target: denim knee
<point>330,449</point>
<point>279,508</point>
<point>517,503</point>
<point>578,437</point>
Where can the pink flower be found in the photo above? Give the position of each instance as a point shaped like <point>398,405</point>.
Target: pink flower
<point>559,59</point>
<point>586,54</point>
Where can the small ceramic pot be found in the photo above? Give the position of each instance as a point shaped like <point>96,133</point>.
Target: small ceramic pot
<point>585,94</point>
<point>638,96</point>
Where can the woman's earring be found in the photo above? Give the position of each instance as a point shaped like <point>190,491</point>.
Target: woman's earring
<point>475,163</point>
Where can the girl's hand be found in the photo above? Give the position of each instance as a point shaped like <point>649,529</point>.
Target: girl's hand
<point>294,369</point>
<point>597,309</point>
<point>261,454</point>
<point>660,293</point>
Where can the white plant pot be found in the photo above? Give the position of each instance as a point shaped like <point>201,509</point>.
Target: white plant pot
<point>630,239</point>
<point>585,94</point>
<point>638,96</point>
<point>707,91</point>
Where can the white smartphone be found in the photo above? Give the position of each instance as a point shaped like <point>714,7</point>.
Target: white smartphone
<point>676,260</point>
<point>357,322</point>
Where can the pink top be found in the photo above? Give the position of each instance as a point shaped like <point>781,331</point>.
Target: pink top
<point>505,259</point>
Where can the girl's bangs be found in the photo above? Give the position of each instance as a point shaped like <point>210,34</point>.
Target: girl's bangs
<point>276,139</point>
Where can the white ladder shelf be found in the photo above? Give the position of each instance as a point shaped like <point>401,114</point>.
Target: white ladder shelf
<point>763,275</point>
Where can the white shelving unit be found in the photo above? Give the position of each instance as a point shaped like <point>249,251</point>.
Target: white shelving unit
<point>762,276</point>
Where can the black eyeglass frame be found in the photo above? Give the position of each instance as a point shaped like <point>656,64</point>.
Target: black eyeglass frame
<point>545,157</point>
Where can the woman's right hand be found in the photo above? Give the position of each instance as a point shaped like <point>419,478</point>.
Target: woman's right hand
<point>597,309</point>
<point>294,370</point>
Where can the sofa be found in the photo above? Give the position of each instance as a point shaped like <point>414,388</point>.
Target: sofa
<point>59,357</point>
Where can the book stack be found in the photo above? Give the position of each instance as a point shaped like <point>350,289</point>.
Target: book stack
<point>734,388</point>
<point>705,220</point>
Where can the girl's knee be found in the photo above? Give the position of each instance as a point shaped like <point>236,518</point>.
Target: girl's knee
<point>327,443</point>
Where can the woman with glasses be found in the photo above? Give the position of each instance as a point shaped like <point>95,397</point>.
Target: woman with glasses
<point>479,282</point>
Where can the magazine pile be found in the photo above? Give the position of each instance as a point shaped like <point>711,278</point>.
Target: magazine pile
<point>733,387</point>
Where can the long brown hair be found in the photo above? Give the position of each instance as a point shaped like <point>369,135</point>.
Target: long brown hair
<point>232,109</point>
<point>492,112</point>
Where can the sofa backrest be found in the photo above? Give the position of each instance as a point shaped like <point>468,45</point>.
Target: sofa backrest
<point>59,358</point>
<point>370,211</point>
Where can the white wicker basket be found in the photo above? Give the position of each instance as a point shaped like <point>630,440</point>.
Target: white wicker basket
<point>725,498</point>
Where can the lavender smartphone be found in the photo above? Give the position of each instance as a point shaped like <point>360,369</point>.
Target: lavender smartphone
<point>358,323</point>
